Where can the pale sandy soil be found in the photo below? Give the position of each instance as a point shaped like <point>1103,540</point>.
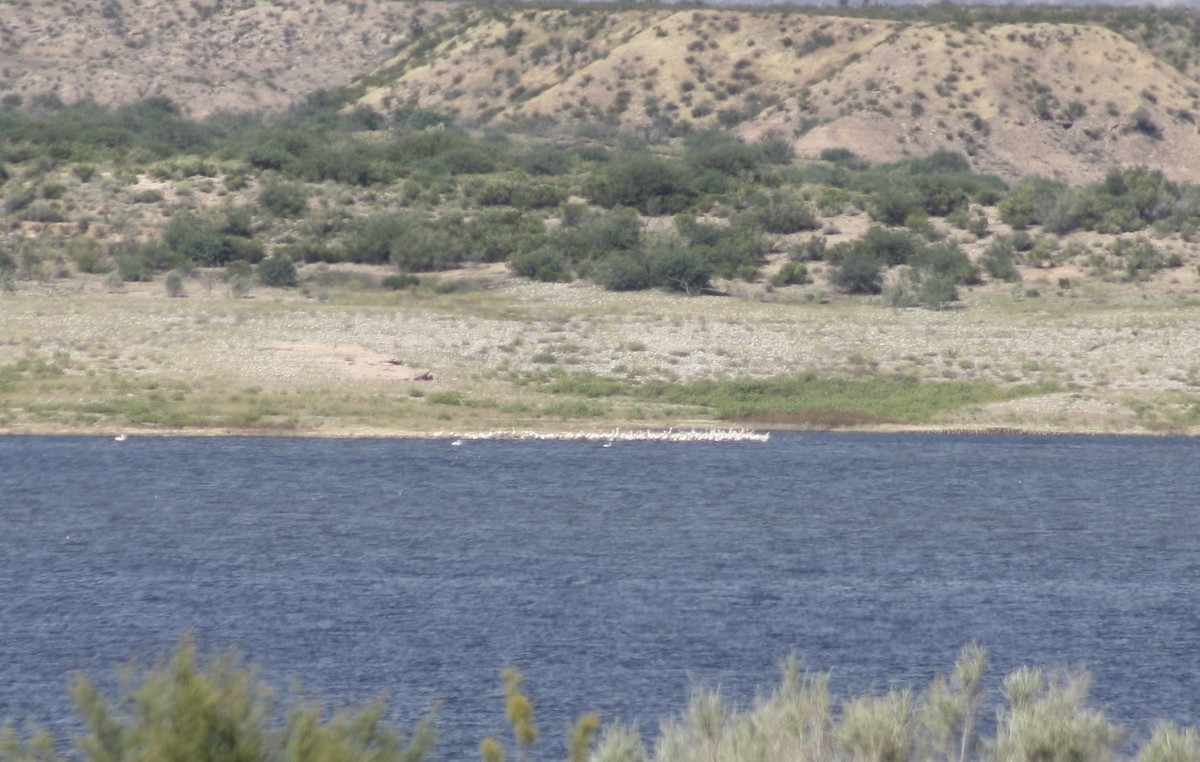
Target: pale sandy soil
<point>1122,361</point>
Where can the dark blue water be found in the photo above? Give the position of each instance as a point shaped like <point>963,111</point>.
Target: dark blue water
<point>615,578</point>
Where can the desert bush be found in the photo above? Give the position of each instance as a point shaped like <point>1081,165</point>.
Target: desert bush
<point>783,214</point>
<point>895,200</point>
<point>597,237</point>
<point>621,272</point>
<point>811,249</point>
<point>544,264</point>
<point>538,196</point>
<point>791,274</point>
<point>400,281</point>
<point>492,192</point>
<point>173,284</point>
<point>858,272</point>
<point>1047,719</point>
<point>283,199</point>
<point>720,151</point>
<point>999,260</point>
<point>276,271</point>
<point>647,183</point>
<point>1140,256</point>
<point>731,250</point>
<point>494,235</point>
<point>88,255</point>
<point>1170,743</point>
<point>877,728</point>
<point>138,261</point>
<point>373,240</point>
<point>1024,205</point>
<point>183,710</point>
<point>546,160</point>
<point>773,150</point>
<point>197,239</point>
<point>676,266</point>
<point>891,247</point>
<point>945,260</point>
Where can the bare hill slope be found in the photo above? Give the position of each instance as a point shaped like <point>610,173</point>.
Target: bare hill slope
<point>206,55</point>
<point>1062,92</point>
<point>1059,100</point>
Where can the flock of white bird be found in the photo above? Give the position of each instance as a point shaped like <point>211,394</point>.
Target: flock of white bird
<point>617,435</point>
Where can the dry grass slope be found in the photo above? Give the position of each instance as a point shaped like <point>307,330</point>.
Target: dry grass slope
<point>1057,100</point>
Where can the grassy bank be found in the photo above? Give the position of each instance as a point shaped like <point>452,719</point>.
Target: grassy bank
<point>501,353</point>
<point>184,709</point>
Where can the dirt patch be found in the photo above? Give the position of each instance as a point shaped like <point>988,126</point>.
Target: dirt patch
<point>346,361</point>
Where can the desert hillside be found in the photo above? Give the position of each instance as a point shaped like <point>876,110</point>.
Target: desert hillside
<point>1061,100</point>
<point>206,55</point>
<point>1059,92</point>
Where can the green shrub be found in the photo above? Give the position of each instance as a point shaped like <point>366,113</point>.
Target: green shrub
<point>197,239</point>
<point>791,274</point>
<point>859,272</point>
<point>222,712</point>
<point>895,201</point>
<point>622,272</point>
<point>730,250</point>
<point>1141,257</point>
<point>999,260</point>
<point>891,247</point>
<point>599,236</point>
<point>538,196</point>
<point>276,271</point>
<point>774,150</point>
<point>676,266</point>
<point>401,281</point>
<point>88,255</point>
<point>546,160</point>
<point>649,184</point>
<point>811,249</point>
<point>783,214</point>
<point>174,284</point>
<point>283,199</point>
<point>945,260</point>
<point>543,264</point>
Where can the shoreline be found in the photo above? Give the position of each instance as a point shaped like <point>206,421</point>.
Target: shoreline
<point>599,435</point>
<point>556,358</point>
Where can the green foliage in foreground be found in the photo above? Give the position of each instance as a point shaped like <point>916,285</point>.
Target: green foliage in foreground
<point>180,712</point>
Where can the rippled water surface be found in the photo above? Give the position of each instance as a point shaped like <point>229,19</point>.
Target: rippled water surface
<point>615,578</point>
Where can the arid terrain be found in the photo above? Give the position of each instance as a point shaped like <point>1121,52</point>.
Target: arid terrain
<point>1075,340</point>
<point>1105,358</point>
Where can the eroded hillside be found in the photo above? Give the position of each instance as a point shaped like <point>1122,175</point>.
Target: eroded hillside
<point>1055,99</point>
<point>206,55</point>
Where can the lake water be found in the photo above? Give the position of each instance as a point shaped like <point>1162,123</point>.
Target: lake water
<point>615,578</point>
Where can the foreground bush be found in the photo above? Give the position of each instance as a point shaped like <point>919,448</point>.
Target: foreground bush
<point>178,711</point>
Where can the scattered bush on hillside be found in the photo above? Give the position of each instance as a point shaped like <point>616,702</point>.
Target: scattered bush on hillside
<point>650,184</point>
<point>731,251</point>
<point>782,213</point>
<point>999,260</point>
<point>283,199</point>
<point>792,273</point>
<point>276,271</point>
<point>676,266</point>
<point>858,272</point>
